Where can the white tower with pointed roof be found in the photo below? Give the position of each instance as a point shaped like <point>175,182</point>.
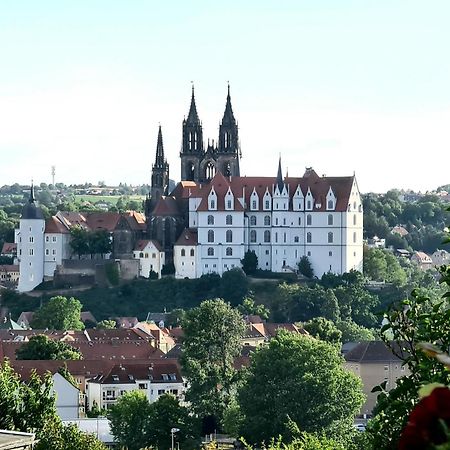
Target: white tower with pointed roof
<point>30,245</point>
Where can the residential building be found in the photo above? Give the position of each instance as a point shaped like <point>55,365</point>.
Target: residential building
<point>440,257</point>
<point>151,257</point>
<point>154,379</point>
<point>9,274</point>
<point>423,260</point>
<point>374,363</point>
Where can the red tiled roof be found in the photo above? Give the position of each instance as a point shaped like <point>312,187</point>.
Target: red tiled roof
<point>9,248</point>
<point>103,221</point>
<point>140,245</point>
<point>244,186</point>
<point>54,225</point>
<point>187,237</point>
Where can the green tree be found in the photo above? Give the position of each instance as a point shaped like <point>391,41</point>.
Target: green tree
<point>301,379</point>
<point>413,321</point>
<point>30,407</point>
<point>249,307</point>
<point>130,421</point>
<point>305,267</point>
<point>250,262</point>
<point>167,413</point>
<point>323,329</point>
<point>212,340</point>
<point>40,347</point>
<point>234,286</point>
<point>99,242</point>
<point>59,313</point>
<point>351,332</point>
<point>106,324</point>
<point>79,240</point>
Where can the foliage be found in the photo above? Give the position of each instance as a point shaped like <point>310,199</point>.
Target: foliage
<point>152,275</point>
<point>168,269</point>
<point>89,242</point>
<point>106,324</point>
<point>212,339</point>
<point>250,262</point>
<point>323,329</point>
<point>416,320</point>
<point>305,267</point>
<point>167,413</point>
<point>56,436</point>
<point>136,423</point>
<point>382,265</point>
<point>352,332</point>
<point>59,313</point>
<point>234,286</point>
<point>301,379</point>
<point>249,307</point>
<point>25,406</point>
<point>129,420</point>
<point>40,347</point>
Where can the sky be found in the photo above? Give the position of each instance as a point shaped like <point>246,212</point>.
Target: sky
<point>343,86</point>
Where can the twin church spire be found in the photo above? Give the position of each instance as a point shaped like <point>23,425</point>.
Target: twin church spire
<point>198,163</point>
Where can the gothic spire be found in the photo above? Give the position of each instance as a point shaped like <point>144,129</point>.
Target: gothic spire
<point>280,183</point>
<point>228,116</point>
<point>160,160</point>
<point>193,115</point>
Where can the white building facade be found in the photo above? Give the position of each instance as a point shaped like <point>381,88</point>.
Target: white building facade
<point>281,220</point>
<point>151,257</point>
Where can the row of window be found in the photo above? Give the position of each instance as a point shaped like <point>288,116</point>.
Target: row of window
<point>228,236</point>
<point>284,205</point>
<point>228,251</point>
<point>253,220</point>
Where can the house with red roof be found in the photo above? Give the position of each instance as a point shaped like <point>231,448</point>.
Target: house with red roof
<point>151,257</point>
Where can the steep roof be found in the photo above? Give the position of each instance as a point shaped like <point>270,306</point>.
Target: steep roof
<point>187,237</point>
<point>9,247</point>
<point>371,352</point>
<point>54,225</point>
<point>141,244</point>
<point>166,206</point>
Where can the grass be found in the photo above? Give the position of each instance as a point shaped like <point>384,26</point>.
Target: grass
<point>111,199</point>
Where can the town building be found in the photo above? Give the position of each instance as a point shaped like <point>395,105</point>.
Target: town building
<point>423,260</point>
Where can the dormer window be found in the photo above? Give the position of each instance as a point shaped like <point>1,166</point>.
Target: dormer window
<point>254,201</point>
<point>267,204</point>
<point>331,200</point>
<point>212,200</point>
<point>212,204</point>
<point>229,200</point>
<point>229,204</point>
<point>309,204</point>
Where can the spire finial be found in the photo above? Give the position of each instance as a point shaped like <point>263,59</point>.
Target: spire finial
<point>279,176</point>
<point>32,199</point>
<point>228,82</point>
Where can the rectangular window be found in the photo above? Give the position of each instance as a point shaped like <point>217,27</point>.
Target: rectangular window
<point>254,204</point>
<point>47,251</point>
<point>229,204</point>
<point>267,204</point>
<point>53,252</point>
<point>143,385</point>
<point>161,391</point>
<point>47,238</point>
<point>31,252</point>
<point>54,238</point>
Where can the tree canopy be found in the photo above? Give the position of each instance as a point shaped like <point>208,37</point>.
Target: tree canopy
<point>301,379</point>
<point>59,313</point>
<point>212,340</point>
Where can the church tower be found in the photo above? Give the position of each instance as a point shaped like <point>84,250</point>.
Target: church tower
<point>160,172</point>
<point>192,146</point>
<point>228,150</point>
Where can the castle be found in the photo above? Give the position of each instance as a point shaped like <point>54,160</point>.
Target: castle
<point>214,216</point>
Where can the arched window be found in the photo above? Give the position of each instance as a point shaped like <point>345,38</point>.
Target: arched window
<point>267,220</point>
<point>229,251</point>
<point>253,221</point>
<point>330,219</point>
<point>253,236</point>
<point>296,239</point>
<point>354,219</point>
<point>141,255</point>
<point>192,252</point>
<point>308,238</point>
<point>210,251</point>
<point>183,252</point>
<point>210,220</point>
<point>330,237</point>
<point>229,236</point>
<point>229,219</point>
<point>308,219</point>
<point>267,236</point>
<point>210,235</point>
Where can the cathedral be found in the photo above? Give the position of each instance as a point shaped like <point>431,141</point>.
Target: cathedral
<point>167,215</point>
<point>213,216</point>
